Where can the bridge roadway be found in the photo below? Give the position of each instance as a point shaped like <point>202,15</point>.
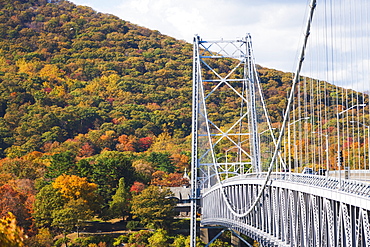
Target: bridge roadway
<point>295,209</point>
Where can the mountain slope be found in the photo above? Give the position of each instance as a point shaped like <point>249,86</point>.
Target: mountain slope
<point>66,69</point>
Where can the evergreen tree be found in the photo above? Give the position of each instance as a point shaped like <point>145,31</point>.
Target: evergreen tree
<point>120,204</point>
<point>162,161</point>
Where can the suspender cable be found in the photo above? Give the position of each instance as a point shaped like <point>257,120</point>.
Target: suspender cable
<point>286,114</point>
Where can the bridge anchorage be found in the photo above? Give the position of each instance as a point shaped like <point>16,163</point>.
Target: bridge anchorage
<point>242,178</point>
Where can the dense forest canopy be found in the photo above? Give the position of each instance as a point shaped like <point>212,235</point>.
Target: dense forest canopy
<point>67,70</point>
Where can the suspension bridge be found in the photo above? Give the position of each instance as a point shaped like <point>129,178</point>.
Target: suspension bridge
<point>299,179</point>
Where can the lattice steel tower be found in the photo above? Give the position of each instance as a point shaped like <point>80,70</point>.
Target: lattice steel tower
<point>225,83</point>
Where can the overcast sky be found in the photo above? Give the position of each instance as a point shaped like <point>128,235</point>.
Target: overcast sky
<point>276,26</point>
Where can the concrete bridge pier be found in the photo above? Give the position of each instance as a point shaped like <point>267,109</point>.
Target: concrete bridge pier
<point>235,241</point>
<point>209,233</point>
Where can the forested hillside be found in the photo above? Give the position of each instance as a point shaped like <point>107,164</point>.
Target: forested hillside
<point>68,70</point>
<point>85,100</point>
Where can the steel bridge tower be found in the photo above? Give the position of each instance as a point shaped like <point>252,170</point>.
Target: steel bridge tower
<point>228,146</point>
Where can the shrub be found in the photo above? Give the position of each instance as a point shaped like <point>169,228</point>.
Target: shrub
<point>131,225</point>
<point>120,240</point>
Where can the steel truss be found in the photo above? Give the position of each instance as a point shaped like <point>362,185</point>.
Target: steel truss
<point>212,88</point>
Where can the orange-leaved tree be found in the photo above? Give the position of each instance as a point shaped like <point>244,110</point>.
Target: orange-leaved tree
<point>161,178</point>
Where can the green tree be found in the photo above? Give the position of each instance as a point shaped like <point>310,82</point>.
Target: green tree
<point>179,241</point>
<point>48,200</point>
<point>122,239</point>
<point>199,242</point>
<point>81,204</point>
<point>162,161</point>
<point>73,211</point>
<point>22,168</point>
<point>139,238</point>
<point>43,238</point>
<point>106,169</point>
<point>159,239</point>
<point>219,243</point>
<point>120,204</point>
<point>153,206</point>
<point>61,163</point>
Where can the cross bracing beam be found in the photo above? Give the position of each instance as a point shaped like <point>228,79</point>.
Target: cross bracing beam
<point>235,80</point>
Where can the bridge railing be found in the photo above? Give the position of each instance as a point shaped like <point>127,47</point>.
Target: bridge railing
<point>331,183</point>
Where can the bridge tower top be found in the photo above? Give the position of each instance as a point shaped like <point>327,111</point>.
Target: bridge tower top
<point>225,81</point>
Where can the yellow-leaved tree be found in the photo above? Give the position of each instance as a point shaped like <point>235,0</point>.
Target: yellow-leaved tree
<point>68,200</point>
<point>74,187</point>
<point>11,235</point>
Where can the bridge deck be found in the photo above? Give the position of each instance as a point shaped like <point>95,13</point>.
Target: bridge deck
<point>354,192</point>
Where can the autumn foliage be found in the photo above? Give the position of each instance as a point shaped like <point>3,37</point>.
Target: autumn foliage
<point>18,199</point>
<point>161,178</point>
<point>73,187</point>
<point>137,187</point>
<point>11,235</point>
